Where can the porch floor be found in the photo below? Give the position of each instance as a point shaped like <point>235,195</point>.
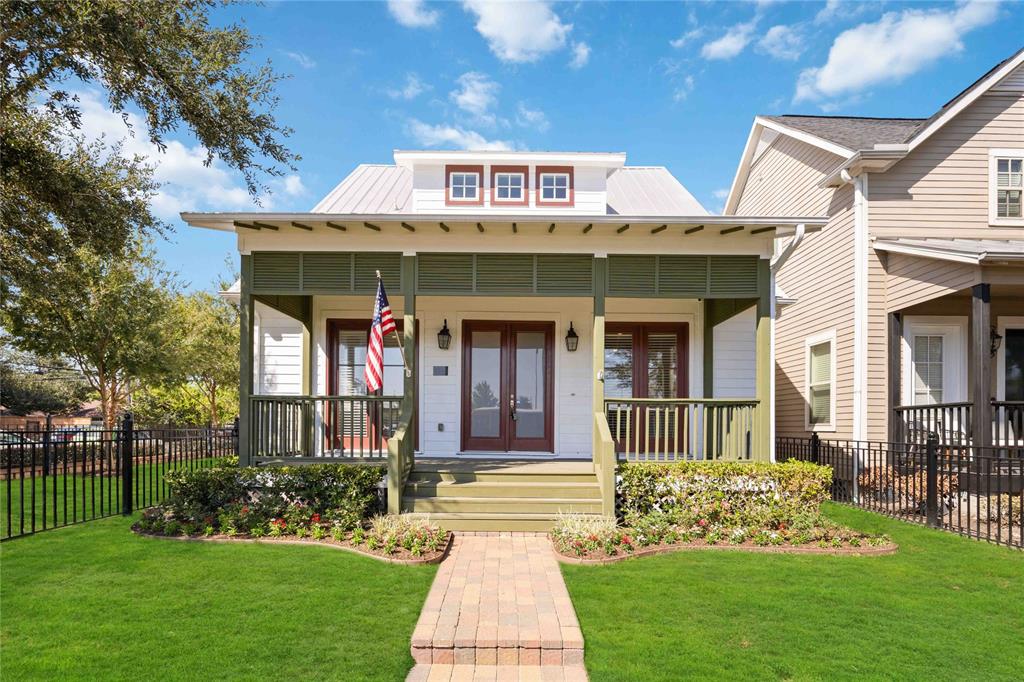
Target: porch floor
<point>504,466</point>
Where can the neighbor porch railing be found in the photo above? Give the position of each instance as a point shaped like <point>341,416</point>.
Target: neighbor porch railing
<point>951,423</point>
<point>345,427</point>
<point>660,430</point>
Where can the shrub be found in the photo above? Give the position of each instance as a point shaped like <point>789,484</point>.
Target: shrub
<point>389,532</point>
<point>582,534</point>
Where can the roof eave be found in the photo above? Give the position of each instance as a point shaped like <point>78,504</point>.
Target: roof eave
<point>864,161</point>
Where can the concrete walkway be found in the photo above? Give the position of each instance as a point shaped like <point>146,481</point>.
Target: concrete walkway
<point>498,609</point>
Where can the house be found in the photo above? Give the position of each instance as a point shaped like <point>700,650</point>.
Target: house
<point>556,311</point>
<point>907,315</point>
<point>88,414</point>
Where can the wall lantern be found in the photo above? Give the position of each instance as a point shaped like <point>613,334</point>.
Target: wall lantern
<point>572,340</point>
<point>444,337</point>
<point>994,338</point>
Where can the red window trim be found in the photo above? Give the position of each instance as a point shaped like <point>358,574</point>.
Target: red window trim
<point>639,331</point>
<point>555,169</point>
<point>448,170</point>
<point>525,201</point>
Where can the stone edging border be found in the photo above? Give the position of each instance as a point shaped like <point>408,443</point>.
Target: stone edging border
<point>315,543</point>
<point>773,549</point>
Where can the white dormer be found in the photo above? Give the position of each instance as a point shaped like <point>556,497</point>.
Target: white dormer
<point>574,183</point>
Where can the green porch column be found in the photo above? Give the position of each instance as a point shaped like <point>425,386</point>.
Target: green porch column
<point>409,334</point>
<point>246,315</point>
<point>600,284</point>
<point>763,367</point>
<point>709,348</point>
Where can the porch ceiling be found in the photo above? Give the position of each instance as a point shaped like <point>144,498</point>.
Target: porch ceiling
<point>765,227</point>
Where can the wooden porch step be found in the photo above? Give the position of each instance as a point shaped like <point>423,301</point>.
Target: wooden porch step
<point>493,522</point>
<point>501,505</point>
<point>586,490</point>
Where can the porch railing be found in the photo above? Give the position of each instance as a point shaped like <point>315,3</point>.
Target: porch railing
<point>951,423</point>
<point>665,430</point>
<point>350,427</point>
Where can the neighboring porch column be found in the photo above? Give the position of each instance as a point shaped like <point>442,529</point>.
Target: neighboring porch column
<point>980,359</point>
<point>763,368</point>
<point>246,315</point>
<point>895,371</point>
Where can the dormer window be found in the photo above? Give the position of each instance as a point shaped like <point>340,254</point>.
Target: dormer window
<point>508,185</point>
<point>555,186</point>
<point>464,185</point>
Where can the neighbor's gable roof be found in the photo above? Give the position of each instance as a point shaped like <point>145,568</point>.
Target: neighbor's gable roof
<point>847,136</point>
<point>632,190</point>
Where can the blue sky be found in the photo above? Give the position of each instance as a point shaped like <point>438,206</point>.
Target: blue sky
<point>674,84</point>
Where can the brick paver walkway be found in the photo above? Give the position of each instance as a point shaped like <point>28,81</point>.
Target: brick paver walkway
<point>498,605</point>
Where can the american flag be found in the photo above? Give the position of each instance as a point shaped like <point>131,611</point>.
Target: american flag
<point>383,324</point>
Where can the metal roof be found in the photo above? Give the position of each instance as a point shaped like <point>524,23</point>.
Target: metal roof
<point>649,190</point>
<point>632,190</point>
<point>959,250</point>
<point>853,132</point>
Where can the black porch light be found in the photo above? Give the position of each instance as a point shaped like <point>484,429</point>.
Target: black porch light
<point>995,338</point>
<point>444,337</point>
<point>572,339</point>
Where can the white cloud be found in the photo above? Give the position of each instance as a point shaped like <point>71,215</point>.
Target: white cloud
<point>293,186</point>
<point>721,194</point>
<point>187,183</point>
<point>476,95</point>
<point>532,118</point>
<point>459,138</point>
<point>413,13</point>
<point>412,88</point>
<point>687,38</point>
<point>782,42</point>
<point>683,90</point>
<point>731,44</point>
<point>518,31</point>
<point>580,55</point>
<point>891,49</point>
<point>303,60</point>
<point>839,10</point>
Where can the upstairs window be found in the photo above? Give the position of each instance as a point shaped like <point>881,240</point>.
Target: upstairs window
<point>464,184</point>
<point>555,186</point>
<point>1006,185</point>
<point>508,185</point>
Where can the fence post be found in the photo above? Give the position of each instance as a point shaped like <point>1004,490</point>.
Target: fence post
<point>856,472</point>
<point>209,439</point>
<point>816,448</point>
<point>932,479</point>
<point>47,450</point>
<point>127,455</point>
<point>234,435</point>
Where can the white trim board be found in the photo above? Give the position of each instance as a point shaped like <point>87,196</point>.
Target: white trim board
<point>830,337</point>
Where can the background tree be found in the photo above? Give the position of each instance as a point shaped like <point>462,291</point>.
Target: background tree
<point>107,315</point>
<point>207,354</point>
<point>59,193</point>
<point>29,384</point>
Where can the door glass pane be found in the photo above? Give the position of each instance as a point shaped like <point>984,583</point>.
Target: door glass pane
<point>529,385</point>
<point>927,363</point>
<point>618,365</point>
<point>662,365</point>
<point>351,355</point>
<point>1014,364</point>
<point>485,379</point>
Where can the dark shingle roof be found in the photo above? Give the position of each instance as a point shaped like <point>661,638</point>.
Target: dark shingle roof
<point>853,132</point>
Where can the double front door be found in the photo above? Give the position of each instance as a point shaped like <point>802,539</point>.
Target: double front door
<point>508,386</point>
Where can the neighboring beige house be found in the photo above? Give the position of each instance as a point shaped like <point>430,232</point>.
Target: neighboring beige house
<point>906,314</point>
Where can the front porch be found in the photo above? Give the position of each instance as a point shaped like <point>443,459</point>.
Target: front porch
<point>668,359</point>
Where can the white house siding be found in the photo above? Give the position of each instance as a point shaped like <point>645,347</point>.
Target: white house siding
<point>734,357</point>
<point>784,180</point>
<point>277,353</point>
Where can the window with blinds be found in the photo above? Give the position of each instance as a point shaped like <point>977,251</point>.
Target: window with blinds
<point>350,361</point>
<point>645,360</point>
<point>618,365</point>
<point>820,384</point>
<point>662,365</point>
<point>927,361</point>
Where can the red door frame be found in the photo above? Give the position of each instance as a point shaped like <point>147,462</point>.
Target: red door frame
<point>639,332</point>
<point>506,440</point>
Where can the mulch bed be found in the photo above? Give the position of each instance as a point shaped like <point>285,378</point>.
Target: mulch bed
<point>400,556</point>
<point>600,557</point>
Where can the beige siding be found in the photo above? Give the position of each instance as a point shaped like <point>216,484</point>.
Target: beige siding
<point>913,279</point>
<point>784,180</point>
<point>941,188</point>
<point>876,373</point>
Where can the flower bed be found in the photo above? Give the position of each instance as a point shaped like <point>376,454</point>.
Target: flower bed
<point>329,503</point>
<point>691,504</point>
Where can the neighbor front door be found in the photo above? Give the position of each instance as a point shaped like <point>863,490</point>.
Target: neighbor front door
<point>508,386</point>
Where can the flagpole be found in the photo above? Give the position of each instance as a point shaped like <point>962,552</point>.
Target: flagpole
<point>401,340</point>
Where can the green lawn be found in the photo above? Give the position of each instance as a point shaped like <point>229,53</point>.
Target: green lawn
<point>96,602</point>
<point>943,607</point>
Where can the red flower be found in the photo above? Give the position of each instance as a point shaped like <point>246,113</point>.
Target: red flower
<point>245,509</point>
<point>316,518</point>
<point>702,522</point>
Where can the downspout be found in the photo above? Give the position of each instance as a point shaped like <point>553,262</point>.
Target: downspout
<point>787,250</point>
<point>776,264</point>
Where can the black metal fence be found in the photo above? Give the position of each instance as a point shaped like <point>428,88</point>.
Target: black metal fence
<point>974,491</point>
<point>59,477</point>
